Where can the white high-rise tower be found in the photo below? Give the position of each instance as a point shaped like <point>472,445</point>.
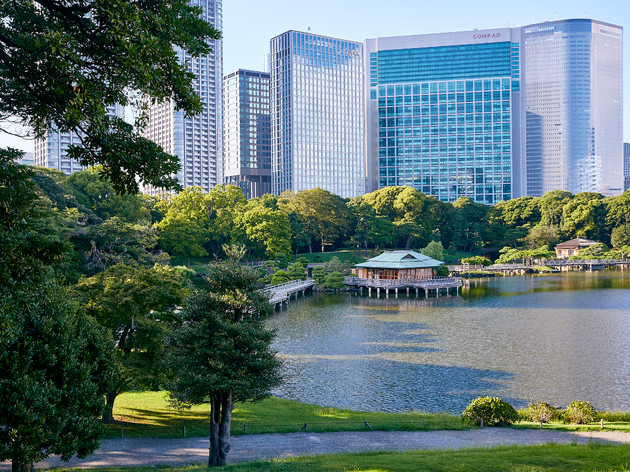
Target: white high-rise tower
<point>196,140</point>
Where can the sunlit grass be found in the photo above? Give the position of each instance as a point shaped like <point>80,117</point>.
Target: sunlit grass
<point>147,414</point>
<point>546,458</point>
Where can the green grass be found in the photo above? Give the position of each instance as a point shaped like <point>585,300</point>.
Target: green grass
<point>146,414</point>
<point>551,457</point>
<point>343,255</point>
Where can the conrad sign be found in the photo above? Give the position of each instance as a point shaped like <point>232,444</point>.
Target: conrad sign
<point>486,35</point>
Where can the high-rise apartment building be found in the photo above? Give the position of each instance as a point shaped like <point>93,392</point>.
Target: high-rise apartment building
<point>496,114</point>
<point>626,166</point>
<point>317,114</point>
<point>52,150</point>
<point>197,140</point>
<point>247,132</point>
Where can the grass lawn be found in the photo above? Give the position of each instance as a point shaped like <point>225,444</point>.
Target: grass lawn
<point>146,414</point>
<point>557,458</point>
<point>343,255</point>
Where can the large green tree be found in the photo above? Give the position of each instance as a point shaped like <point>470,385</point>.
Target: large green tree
<point>56,364</point>
<point>135,304</point>
<point>63,62</point>
<point>221,350</point>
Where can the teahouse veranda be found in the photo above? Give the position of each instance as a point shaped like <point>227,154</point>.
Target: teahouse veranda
<point>399,265</point>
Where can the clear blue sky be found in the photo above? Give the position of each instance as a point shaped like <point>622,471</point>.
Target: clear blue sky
<point>249,24</point>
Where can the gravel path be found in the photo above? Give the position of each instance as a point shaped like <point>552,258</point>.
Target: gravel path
<point>141,451</point>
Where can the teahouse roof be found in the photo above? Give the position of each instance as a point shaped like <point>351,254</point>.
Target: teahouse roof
<point>400,260</point>
<point>577,242</point>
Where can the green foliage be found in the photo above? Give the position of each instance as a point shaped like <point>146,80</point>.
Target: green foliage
<point>596,251</point>
<point>317,258</point>
<point>334,280</point>
<point>296,271</point>
<point>220,349</point>
<point>302,260</point>
<point>510,254</point>
<point>620,236</point>
<point>279,277</point>
<point>135,304</point>
<point>542,235</point>
<point>442,271</point>
<point>580,413</point>
<point>64,63</point>
<point>434,250</point>
<point>268,229</point>
<point>282,260</point>
<point>541,411</point>
<point>477,260</point>
<point>319,274</point>
<point>333,265</point>
<point>493,410</point>
<point>56,364</point>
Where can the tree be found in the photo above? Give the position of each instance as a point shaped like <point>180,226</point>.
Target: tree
<point>269,229</point>
<point>55,366</point>
<point>596,251</point>
<point>334,280</point>
<point>620,236</point>
<point>541,235</point>
<point>62,63</point>
<point>318,274</point>
<point>221,350</point>
<point>135,304</point>
<point>279,277</point>
<point>435,250</point>
<point>297,272</point>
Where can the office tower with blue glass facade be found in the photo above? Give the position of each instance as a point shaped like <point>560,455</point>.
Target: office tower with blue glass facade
<point>496,114</point>
<point>196,140</point>
<point>247,132</point>
<point>317,114</point>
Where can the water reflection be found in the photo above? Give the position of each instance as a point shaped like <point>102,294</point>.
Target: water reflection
<point>558,338</point>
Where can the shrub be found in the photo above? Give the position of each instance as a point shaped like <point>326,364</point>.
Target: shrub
<point>317,258</point>
<point>279,277</point>
<point>318,274</point>
<point>334,280</point>
<point>580,413</point>
<point>443,271</point>
<point>541,411</point>
<point>493,410</point>
<point>477,260</point>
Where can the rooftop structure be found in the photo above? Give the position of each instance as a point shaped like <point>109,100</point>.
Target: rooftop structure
<point>398,265</point>
<point>568,248</point>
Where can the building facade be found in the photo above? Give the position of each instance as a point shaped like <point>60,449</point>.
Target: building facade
<point>247,132</point>
<point>197,140</point>
<point>52,150</point>
<point>317,114</point>
<point>626,166</point>
<point>496,114</point>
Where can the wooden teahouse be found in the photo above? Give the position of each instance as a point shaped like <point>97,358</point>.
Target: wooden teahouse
<point>392,265</point>
<point>569,248</point>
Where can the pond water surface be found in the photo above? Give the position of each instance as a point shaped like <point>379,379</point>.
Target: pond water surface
<point>556,338</point>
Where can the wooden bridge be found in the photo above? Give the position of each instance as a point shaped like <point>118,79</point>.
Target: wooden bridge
<point>282,293</point>
<point>588,264</point>
<point>436,284</point>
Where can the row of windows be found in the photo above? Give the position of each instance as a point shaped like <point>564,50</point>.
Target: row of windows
<point>450,129</point>
<point>444,98</point>
<point>460,149</point>
<point>480,107</point>
<point>419,121</point>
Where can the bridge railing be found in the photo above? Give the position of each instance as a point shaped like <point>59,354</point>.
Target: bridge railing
<point>586,261</point>
<point>402,282</point>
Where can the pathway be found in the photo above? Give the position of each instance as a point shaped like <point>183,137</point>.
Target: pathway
<point>174,452</point>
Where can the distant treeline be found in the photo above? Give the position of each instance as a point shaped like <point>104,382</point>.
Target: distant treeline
<point>104,227</point>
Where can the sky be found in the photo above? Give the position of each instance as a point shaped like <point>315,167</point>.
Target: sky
<point>248,25</point>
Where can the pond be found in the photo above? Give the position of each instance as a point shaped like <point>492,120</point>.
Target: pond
<point>554,338</point>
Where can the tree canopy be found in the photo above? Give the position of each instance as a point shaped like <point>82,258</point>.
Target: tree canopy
<point>62,63</point>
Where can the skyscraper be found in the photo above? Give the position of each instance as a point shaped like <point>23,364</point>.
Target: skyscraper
<point>626,166</point>
<point>52,150</point>
<point>317,114</point>
<point>496,114</point>
<point>197,140</point>
<point>247,132</point>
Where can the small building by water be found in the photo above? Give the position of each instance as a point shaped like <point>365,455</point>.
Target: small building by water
<point>569,248</point>
<point>399,265</point>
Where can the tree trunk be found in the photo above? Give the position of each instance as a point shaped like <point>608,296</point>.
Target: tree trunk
<point>188,262</point>
<point>408,242</point>
<point>221,406</point>
<point>323,247</point>
<point>366,245</point>
<point>215,412</point>
<point>227,405</point>
<point>108,412</point>
<point>22,467</point>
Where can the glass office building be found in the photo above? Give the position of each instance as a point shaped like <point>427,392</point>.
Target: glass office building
<point>573,94</point>
<point>247,132</point>
<point>480,113</point>
<point>52,150</point>
<point>317,114</point>
<point>197,140</point>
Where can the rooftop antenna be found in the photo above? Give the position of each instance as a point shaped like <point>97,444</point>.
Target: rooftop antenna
<point>309,28</point>
<point>585,14</point>
<point>556,17</point>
